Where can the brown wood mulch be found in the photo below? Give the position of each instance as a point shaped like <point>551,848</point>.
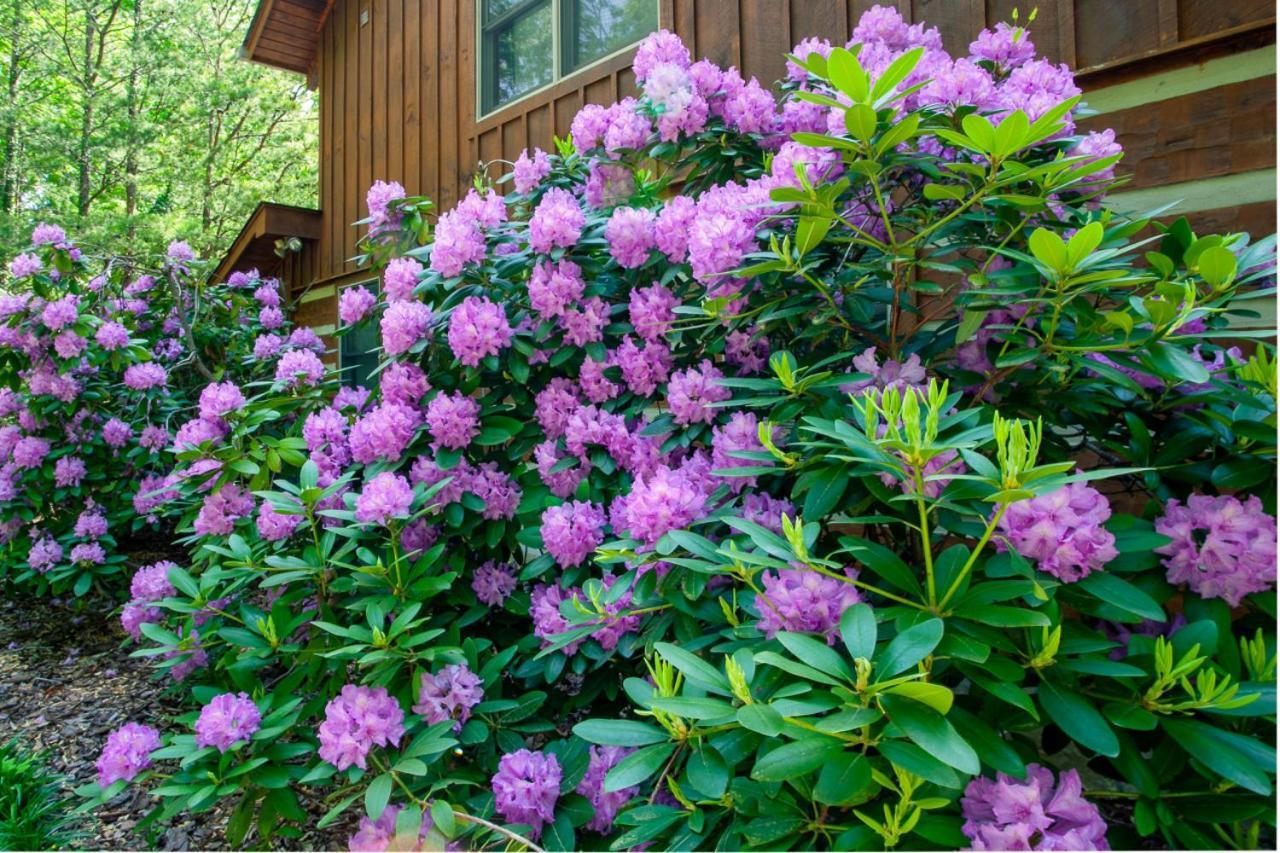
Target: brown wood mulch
<point>67,681</point>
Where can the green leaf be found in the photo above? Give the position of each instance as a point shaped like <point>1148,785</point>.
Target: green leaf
<point>936,696</point>
<point>858,630</point>
<point>909,648</point>
<point>1128,716</point>
<point>1231,756</point>
<point>1004,616</point>
<point>708,772</point>
<point>694,707</point>
<point>763,719</point>
<point>931,732</point>
<point>560,836</point>
<point>860,120</point>
<point>619,732</point>
<point>818,655</point>
<point>377,795</point>
<point>1217,266</point>
<point>638,766</point>
<point>1082,243</point>
<point>994,751</point>
<point>1049,249</point>
<point>1177,362</point>
<point>442,818</point>
<point>695,670</point>
<point>794,759</point>
<point>1079,719</point>
<point>883,562</point>
<point>843,778</point>
<point>1112,589</point>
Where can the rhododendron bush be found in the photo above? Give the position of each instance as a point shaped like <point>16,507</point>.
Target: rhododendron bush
<point>100,360</point>
<point>818,468</point>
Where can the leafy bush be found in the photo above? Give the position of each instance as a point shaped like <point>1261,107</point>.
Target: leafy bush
<point>34,813</point>
<point>752,476</point>
<point>99,359</point>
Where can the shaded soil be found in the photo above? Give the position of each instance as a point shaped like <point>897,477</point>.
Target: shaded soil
<point>66,681</point>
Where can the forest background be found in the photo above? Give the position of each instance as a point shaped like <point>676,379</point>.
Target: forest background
<point>132,123</point>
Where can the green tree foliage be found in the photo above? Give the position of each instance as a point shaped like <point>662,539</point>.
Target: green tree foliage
<point>134,122</point>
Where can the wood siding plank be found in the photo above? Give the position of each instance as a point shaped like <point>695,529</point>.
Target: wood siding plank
<point>352,114</point>
<point>395,119</point>
<point>1219,131</point>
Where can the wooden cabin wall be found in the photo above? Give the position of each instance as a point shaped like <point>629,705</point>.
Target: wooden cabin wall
<point>398,93</point>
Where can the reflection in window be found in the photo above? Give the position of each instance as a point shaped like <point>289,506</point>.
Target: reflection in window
<point>600,27</point>
<point>523,52</point>
<point>526,44</point>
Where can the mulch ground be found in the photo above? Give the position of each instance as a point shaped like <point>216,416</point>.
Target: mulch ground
<point>66,681</point>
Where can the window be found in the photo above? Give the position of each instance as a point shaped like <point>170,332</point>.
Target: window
<point>527,44</point>
<point>358,349</point>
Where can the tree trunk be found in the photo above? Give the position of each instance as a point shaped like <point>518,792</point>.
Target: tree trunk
<point>10,171</point>
<point>84,190</point>
<point>135,132</point>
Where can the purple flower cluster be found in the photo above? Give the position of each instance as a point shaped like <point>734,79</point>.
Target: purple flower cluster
<point>150,584</point>
<point>376,836</point>
<point>382,433</point>
<point>219,399</point>
<point>493,582</point>
<point>222,509</point>
<point>605,804</point>
<point>127,753</point>
<point>1222,547</point>
<point>529,171</point>
<point>299,367</point>
<point>526,788</point>
<point>450,694</point>
<point>556,222</point>
<point>385,497</point>
<point>1061,531</point>
<point>804,600</point>
<point>404,324</point>
<point>355,304</point>
<point>141,377</point>
<point>228,719</point>
<point>478,327</point>
<point>669,499</point>
<point>693,393</point>
<point>453,420</point>
<point>1032,814</point>
<point>355,721</point>
<point>572,531</point>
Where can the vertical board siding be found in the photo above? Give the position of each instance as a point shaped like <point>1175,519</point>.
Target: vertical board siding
<point>398,96</point>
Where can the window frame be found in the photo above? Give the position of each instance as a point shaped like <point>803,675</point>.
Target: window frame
<point>563,23</point>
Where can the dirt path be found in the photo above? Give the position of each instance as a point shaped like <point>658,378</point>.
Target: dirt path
<point>66,681</point>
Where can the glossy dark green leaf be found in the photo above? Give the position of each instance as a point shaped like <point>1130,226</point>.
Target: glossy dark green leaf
<point>843,778</point>
<point>931,732</point>
<point>909,648</point>
<point>638,766</point>
<point>858,630</point>
<point>708,772</point>
<point>619,732</point>
<point>1116,591</point>
<point>1078,718</point>
<point>794,759</point>
<point>1235,757</point>
<point>761,718</point>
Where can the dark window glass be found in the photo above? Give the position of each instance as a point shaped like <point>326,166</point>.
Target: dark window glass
<point>519,53</point>
<point>520,39</point>
<point>597,28</point>
<point>358,350</point>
